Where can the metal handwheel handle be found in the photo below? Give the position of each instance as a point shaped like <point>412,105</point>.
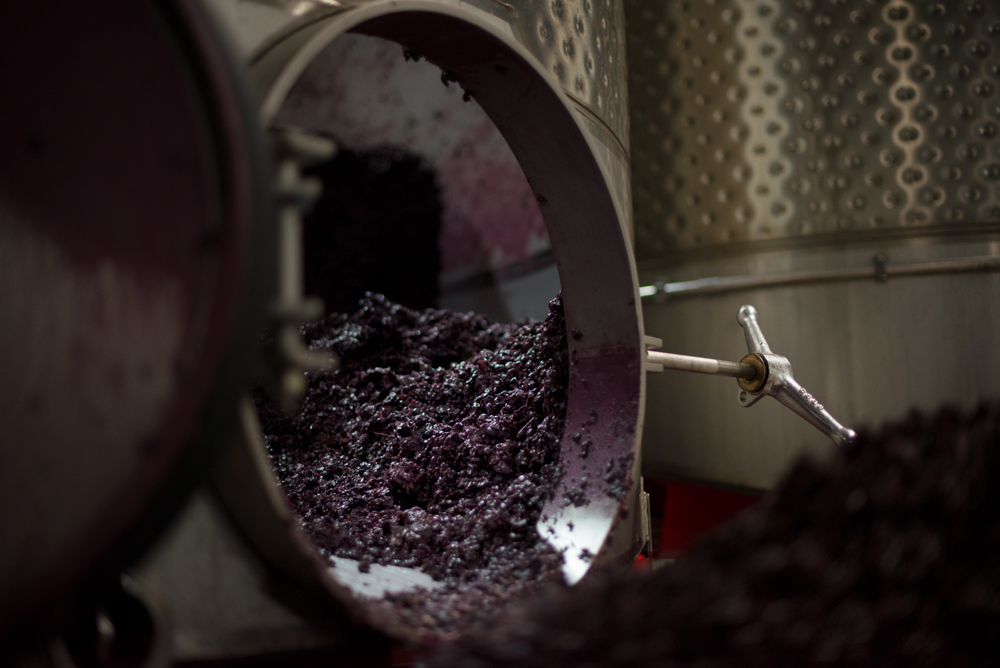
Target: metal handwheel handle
<point>761,373</point>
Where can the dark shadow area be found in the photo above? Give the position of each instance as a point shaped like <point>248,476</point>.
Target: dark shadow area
<point>375,228</point>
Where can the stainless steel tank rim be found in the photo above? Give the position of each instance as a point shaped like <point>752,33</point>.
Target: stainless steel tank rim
<point>824,242</point>
<point>516,30</point>
<point>281,37</point>
<point>580,105</point>
<point>881,270</point>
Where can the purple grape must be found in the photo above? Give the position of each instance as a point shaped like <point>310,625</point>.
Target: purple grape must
<point>884,554</point>
<point>434,447</point>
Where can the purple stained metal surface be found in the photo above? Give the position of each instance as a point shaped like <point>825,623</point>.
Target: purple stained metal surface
<point>367,94</point>
<point>121,259</point>
<point>491,217</point>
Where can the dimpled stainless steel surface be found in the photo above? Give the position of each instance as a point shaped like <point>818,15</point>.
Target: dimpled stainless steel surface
<point>582,43</point>
<point>775,138</point>
<point>765,119</point>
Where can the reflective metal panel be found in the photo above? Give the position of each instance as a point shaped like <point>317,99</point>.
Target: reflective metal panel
<point>780,139</point>
<point>770,119</point>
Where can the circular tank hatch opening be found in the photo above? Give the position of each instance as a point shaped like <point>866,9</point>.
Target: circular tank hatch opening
<point>419,470</point>
<point>586,234</point>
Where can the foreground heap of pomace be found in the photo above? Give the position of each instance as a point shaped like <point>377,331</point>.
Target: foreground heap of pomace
<point>884,555</point>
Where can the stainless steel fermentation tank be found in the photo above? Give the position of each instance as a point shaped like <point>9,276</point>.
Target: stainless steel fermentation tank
<point>836,163</point>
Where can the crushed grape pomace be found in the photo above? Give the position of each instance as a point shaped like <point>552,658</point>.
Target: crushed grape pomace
<point>435,447</point>
<point>883,555</point>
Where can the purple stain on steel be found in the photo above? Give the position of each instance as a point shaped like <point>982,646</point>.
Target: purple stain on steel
<point>435,446</point>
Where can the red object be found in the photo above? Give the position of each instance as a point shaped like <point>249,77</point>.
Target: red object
<point>691,510</point>
<point>642,563</point>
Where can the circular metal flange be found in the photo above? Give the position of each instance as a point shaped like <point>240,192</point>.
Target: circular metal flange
<point>589,236</point>
<point>760,373</point>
